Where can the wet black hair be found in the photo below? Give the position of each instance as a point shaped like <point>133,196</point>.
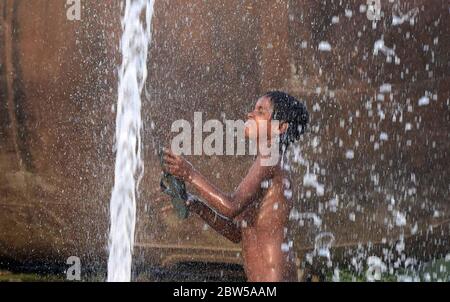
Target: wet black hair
<point>287,108</point>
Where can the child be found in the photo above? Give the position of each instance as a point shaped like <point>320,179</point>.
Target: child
<point>255,214</point>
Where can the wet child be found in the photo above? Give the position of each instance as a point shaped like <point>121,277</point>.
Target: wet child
<point>257,213</point>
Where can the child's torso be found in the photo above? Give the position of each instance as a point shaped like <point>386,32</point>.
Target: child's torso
<point>264,232</point>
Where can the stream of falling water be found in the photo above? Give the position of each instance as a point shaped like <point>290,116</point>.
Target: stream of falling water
<point>136,38</point>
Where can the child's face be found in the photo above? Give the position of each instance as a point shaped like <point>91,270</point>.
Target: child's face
<point>262,113</point>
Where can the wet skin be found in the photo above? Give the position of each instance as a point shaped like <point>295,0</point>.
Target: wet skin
<point>256,214</point>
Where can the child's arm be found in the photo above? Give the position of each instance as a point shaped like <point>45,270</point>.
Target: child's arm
<point>222,225</point>
<point>227,205</point>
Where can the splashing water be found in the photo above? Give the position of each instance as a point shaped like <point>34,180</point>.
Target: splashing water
<point>129,166</point>
<point>323,243</point>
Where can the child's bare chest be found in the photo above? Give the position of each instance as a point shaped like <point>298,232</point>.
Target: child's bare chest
<point>270,211</point>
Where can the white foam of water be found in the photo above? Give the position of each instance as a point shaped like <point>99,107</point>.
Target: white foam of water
<point>350,154</point>
<point>384,136</point>
<point>375,268</point>
<point>296,215</point>
<point>333,204</point>
<point>447,258</point>
<point>323,243</point>
<point>324,46</point>
<point>136,25</point>
<point>379,46</point>
<point>408,127</point>
<point>310,180</point>
<point>386,88</point>
<point>424,101</point>
<point>348,13</point>
<point>402,18</point>
<point>400,219</point>
<point>336,275</point>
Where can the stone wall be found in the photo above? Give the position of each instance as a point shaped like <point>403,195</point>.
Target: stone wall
<point>58,86</point>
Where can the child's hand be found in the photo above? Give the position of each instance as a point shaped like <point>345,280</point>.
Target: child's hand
<point>177,166</point>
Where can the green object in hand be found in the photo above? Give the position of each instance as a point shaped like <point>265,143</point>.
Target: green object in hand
<point>176,189</point>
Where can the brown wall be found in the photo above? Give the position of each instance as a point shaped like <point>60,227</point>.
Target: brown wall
<point>58,85</point>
